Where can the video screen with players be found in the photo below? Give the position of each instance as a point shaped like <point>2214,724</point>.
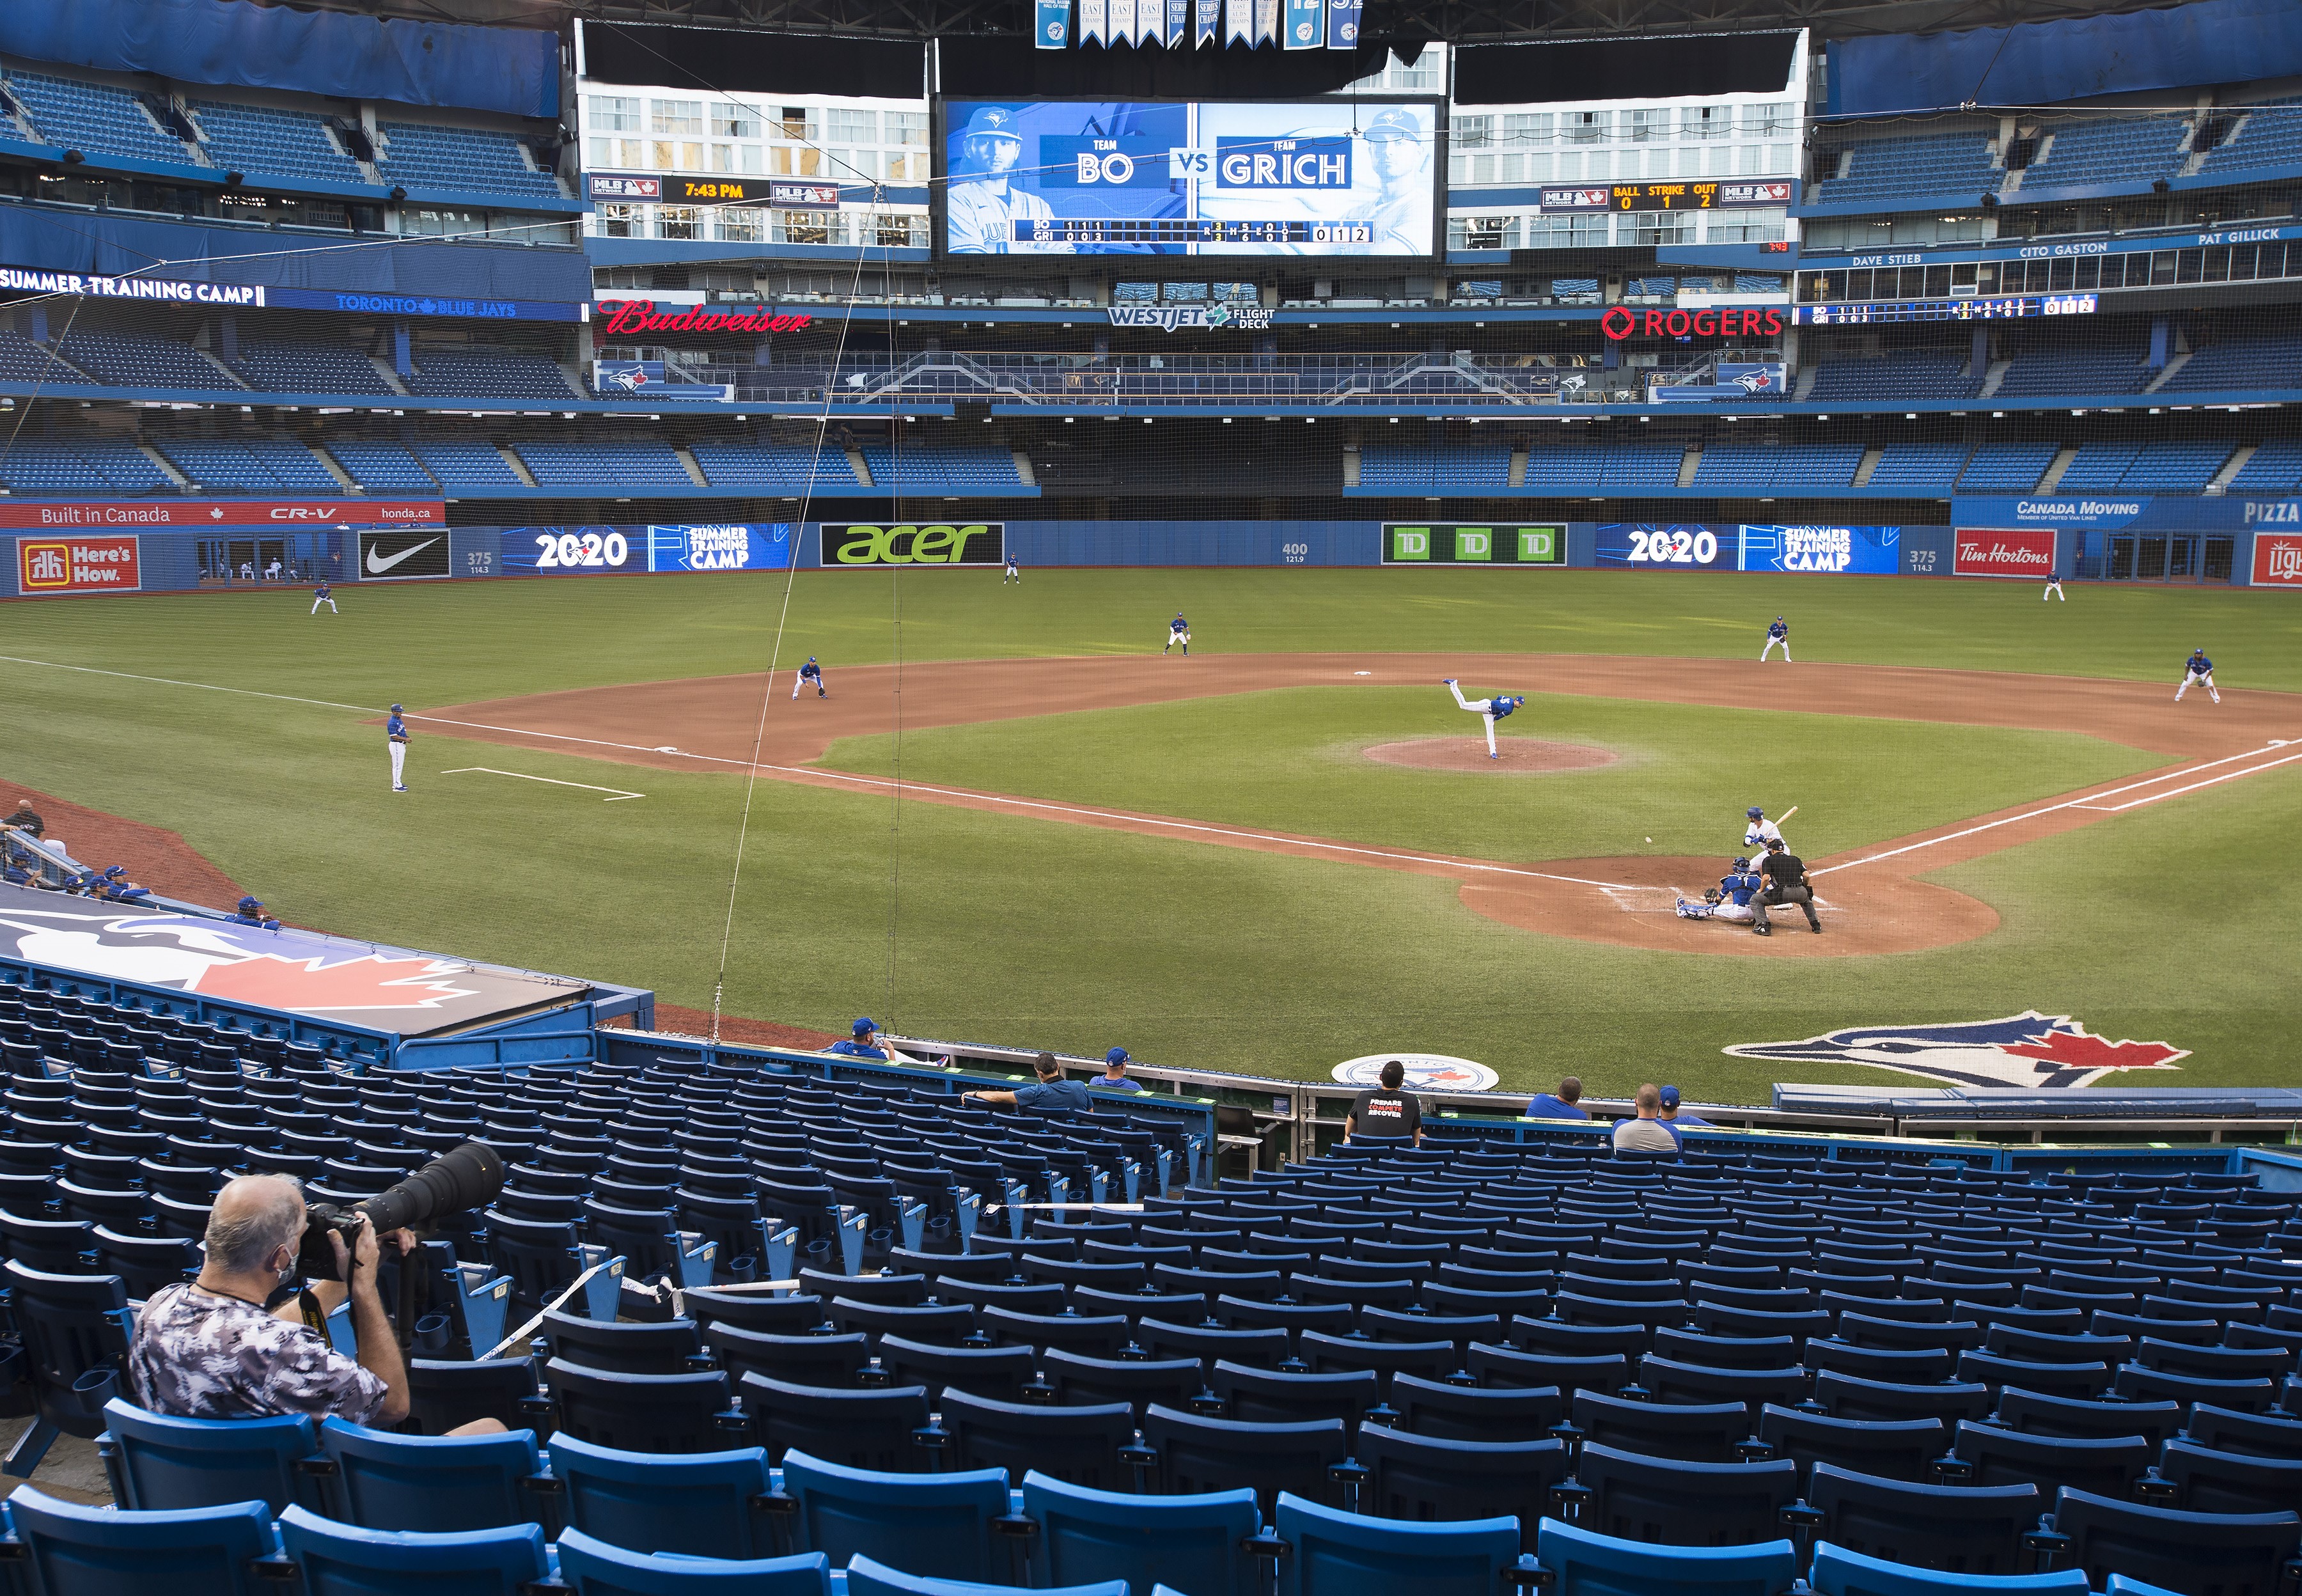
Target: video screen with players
<point>1338,177</point>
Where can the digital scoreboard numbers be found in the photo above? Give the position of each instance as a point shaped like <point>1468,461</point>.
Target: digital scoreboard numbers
<point>1667,197</point>
<point>1978,309</point>
<point>1093,233</point>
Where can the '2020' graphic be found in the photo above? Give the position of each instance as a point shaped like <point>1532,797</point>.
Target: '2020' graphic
<point>1684,548</point>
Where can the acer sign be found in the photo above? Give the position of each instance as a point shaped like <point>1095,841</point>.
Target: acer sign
<point>2028,553</point>
<point>402,556</point>
<point>78,565</point>
<point>191,515</point>
<point>2278,560</point>
<point>1734,321</point>
<point>620,317</point>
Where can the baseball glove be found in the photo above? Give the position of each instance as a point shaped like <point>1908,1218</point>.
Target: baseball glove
<point>1711,894</point>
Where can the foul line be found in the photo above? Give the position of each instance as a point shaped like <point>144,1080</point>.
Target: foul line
<point>519,776</point>
<point>2135,786</point>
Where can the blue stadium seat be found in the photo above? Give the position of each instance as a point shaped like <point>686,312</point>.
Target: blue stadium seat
<point>73,1330</point>
<point>1584,1563</point>
<point>946,1526</point>
<point>1989,1456</point>
<point>1423,1477</point>
<point>1195,1542</point>
<point>704,1504</point>
<point>1079,1445</point>
<point>1672,1502</point>
<point>436,1482</point>
<point>1078,1380</point>
<point>2205,1481</point>
<point>881,1429</point>
<point>2248,1435</point>
<point>665,1348</point>
<point>1197,1455</point>
<point>1838,1571</point>
<point>99,1551</point>
<point>341,1560</point>
<point>595,1567</point>
<point>158,1463</point>
<point>866,1577</point>
<point>1901,1450</point>
<point>998,1373</point>
<point>1271,1396</point>
<point>644,1413</point>
<point>1713,1433</point>
<point>1343,1554</point>
<point>2195,1554</point>
<point>443,1396</point>
<point>1957,1528</point>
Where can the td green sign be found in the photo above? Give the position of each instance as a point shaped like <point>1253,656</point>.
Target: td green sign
<point>1461,544</point>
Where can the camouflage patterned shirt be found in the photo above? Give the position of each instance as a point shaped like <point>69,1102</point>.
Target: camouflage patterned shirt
<point>202,1356</point>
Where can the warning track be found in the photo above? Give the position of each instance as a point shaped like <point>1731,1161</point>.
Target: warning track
<point>1875,902</point>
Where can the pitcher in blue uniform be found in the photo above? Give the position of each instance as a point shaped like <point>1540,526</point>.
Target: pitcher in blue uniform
<point>1491,709</point>
<point>2198,670</point>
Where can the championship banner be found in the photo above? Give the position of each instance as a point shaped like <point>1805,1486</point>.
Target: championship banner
<point>2277,559</point>
<point>1266,22</point>
<point>1150,21</point>
<point>1983,552</point>
<point>100,564</point>
<point>1238,21</point>
<point>1054,31</point>
<point>1123,22</point>
<point>1423,544</point>
<point>1306,24</point>
<point>857,544</point>
<point>1207,23</point>
<point>1092,19</point>
<point>1343,24</point>
<point>1179,24</point>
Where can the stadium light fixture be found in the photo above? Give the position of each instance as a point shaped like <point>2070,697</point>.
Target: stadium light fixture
<point>1909,416</point>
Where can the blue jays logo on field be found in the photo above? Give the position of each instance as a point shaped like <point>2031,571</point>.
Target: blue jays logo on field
<point>2028,1049</point>
<point>1426,1072</point>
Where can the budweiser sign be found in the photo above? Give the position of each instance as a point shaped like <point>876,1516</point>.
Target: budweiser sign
<point>191,515</point>
<point>620,317</point>
<point>2277,559</point>
<point>2029,552</point>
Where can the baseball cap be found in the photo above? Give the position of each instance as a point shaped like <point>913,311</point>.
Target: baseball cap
<point>994,122</point>
<point>864,1025</point>
<point>250,905</point>
<point>395,709</point>
<point>1670,1096</point>
<point>1391,125</point>
<point>1755,812</point>
<point>1117,1055</point>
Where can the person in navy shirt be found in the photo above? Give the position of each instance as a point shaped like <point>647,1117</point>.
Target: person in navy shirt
<point>395,736</point>
<point>1560,1104</point>
<point>2054,588</point>
<point>1777,635</point>
<point>1668,1114</point>
<point>1014,573</point>
<point>864,1041</point>
<point>251,913</point>
<point>2196,670</point>
<point>1114,1072</point>
<point>325,594</point>
<point>809,672</point>
<point>1493,708</point>
<point>1052,1094</point>
<point>1178,630</point>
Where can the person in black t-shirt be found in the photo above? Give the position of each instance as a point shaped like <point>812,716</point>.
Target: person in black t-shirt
<point>1785,874</point>
<point>1384,1112</point>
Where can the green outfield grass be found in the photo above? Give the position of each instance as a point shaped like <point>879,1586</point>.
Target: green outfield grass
<point>2172,921</point>
<point>1292,760</point>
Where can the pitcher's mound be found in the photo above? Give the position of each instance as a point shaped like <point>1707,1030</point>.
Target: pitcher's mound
<point>1521,756</point>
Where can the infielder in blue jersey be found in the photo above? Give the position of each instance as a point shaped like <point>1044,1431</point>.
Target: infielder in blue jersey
<point>809,673</point>
<point>2055,587</point>
<point>395,737</point>
<point>325,594</point>
<point>2198,670</point>
<point>1492,709</point>
<point>1779,633</point>
<point>1178,630</point>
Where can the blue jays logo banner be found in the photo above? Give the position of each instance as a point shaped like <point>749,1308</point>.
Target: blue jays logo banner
<point>381,989</point>
<point>2028,1049</point>
<point>1343,24</point>
<point>1306,25</point>
<point>1055,25</point>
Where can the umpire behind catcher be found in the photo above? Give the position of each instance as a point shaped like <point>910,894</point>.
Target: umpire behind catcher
<point>1785,875</point>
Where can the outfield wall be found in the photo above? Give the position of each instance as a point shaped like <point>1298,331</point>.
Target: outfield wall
<point>2005,539</point>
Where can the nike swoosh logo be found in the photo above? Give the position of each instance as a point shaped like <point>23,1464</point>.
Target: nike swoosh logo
<point>377,567</point>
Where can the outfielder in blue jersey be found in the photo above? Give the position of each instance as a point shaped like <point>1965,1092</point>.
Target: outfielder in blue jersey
<point>325,594</point>
<point>1777,635</point>
<point>810,674</point>
<point>1178,630</point>
<point>2197,669</point>
<point>2055,587</point>
<point>1492,709</point>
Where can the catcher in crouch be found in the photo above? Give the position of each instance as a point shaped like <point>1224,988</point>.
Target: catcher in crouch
<point>1730,900</point>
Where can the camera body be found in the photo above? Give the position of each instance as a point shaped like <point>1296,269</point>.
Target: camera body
<point>463,1176</point>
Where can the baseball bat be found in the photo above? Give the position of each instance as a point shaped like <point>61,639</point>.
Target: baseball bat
<point>1786,814</point>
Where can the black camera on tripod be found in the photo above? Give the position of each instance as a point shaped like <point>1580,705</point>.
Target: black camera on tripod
<point>465,1177</point>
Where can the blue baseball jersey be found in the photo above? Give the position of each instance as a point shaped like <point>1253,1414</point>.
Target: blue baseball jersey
<point>1500,707</point>
<point>395,729</point>
<point>1779,629</point>
<point>811,669</point>
<point>2054,576</point>
<point>2198,665</point>
<point>1738,888</point>
<point>321,591</point>
<point>1179,625</point>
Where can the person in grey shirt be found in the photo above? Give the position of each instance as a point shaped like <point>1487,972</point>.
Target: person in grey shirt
<point>1647,1133</point>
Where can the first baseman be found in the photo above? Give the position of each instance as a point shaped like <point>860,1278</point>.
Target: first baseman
<point>1178,630</point>
<point>809,672</point>
<point>1492,709</point>
<point>1759,832</point>
<point>325,594</point>
<point>2196,670</point>
<point>1779,632</point>
<point>395,736</point>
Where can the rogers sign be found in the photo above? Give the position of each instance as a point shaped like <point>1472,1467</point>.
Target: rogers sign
<point>1745,322</point>
<point>621,316</point>
<point>2277,559</point>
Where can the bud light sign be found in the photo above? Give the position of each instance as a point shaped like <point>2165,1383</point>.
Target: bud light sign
<point>2277,559</point>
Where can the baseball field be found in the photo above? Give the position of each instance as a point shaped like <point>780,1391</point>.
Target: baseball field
<point>1012,819</point>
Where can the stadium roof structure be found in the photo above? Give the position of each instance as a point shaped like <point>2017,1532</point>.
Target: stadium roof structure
<point>1455,20</point>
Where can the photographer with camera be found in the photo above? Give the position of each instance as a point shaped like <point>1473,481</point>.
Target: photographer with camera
<point>214,1350</point>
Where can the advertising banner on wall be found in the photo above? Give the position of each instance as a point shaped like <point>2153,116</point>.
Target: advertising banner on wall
<point>575,550</point>
<point>1687,547</point>
<point>1420,543</point>
<point>403,556</point>
<point>91,563</point>
<point>190,514</point>
<point>1983,552</point>
<point>725,546</point>
<point>648,379</point>
<point>1854,550</point>
<point>937,543</point>
<point>2278,560</point>
<point>2140,513</point>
